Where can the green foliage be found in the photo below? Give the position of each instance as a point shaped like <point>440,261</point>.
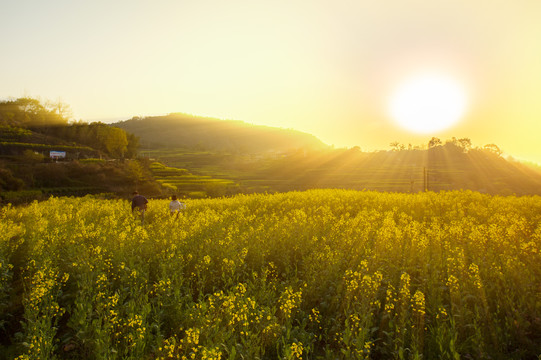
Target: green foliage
<point>33,157</point>
<point>76,178</point>
<point>18,117</point>
<point>12,133</point>
<point>44,146</point>
<point>132,146</point>
<point>28,112</point>
<point>8,182</point>
<point>326,274</point>
<point>20,195</point>
<point>110,140</point>
<point>114,140</point>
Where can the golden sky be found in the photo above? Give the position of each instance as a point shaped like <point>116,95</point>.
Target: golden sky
<point>328,68</point>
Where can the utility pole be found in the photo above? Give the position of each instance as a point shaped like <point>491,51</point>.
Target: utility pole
<point>424,179</point>
<point>426,184</point>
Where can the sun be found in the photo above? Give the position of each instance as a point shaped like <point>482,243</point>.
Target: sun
<point>427,103</point>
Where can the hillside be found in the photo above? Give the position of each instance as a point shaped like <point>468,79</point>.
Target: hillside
<point>89,158</point>
<point>438,168</point>
<point>202,133</point>
<point>199,157</point>
<point>298,161</point>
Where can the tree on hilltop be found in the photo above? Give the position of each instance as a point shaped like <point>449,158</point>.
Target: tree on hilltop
<point>493,148</point>
<point>52,118</point>
<point>29,112</point>
<point>434,142</point>
<point>396,146</point>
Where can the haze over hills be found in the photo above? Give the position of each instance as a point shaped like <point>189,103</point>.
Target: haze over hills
<point>185,131</point>
<point>304,162</point>
<point>441,167</point>
<point>204,157</point>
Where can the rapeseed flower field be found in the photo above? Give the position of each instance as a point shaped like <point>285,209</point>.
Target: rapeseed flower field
<point>322,274</point>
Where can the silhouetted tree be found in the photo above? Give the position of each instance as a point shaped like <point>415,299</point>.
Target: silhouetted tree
<point>493,148</point>
<point>434,142</point>
<point>465,143</point>
<point>396,146</point>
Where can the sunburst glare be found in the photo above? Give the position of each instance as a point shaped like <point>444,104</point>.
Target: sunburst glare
<point>428,103</point>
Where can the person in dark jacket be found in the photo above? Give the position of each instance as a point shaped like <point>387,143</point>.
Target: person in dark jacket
<point>139,203</point>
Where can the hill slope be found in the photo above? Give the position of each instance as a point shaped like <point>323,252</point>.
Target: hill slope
<point>194,132</point>
<point>445,167</point>
<point>436,169</point>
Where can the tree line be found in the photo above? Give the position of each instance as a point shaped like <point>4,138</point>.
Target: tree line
<point>53,119</point>
<point>463,145</point>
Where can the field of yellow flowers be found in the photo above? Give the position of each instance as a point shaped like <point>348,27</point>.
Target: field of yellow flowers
<point>322,274</point>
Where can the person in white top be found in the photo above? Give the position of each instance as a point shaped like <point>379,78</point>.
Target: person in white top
<point>176,206</point>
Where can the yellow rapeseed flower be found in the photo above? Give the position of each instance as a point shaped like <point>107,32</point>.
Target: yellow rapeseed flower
<point>296,350</point>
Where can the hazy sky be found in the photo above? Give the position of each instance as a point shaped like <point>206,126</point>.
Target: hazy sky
<point>325,67</point>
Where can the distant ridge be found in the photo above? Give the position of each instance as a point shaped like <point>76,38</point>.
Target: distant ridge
<point>179,130</point>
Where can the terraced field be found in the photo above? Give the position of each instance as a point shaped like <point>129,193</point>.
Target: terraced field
<point>185,184</point>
